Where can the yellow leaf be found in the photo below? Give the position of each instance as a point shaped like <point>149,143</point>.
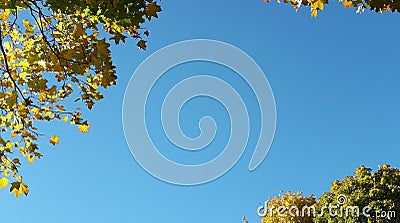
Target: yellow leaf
<point>6,173</point>
<point>4,16</point>
<point>84,128</point>
<point>26,23</point>
<point>3,182</point>
<point>19,188</point>
<point>65,119</point>
<point>319,5</point>
<point>42,96</point>
<point>54,140</point>
<point>314,13</point>
<point>347,3</point>
<point>8,46</point>
<point>9,145</point>
<point>31,159</point>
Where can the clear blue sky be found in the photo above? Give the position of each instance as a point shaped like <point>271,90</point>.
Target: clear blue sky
<point>337,88</point>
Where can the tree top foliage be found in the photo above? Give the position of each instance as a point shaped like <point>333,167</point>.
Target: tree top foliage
<point>378,190</point>
<point>365,197</point>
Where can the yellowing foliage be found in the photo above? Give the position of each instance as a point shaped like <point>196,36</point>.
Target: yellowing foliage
<point>376,196</point>
<point>373,5</point>
<point>54,60</point>
<point>288,201</point>
<point>379,190</point>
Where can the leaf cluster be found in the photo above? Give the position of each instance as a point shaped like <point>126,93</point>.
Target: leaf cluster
<point>54,58</point>
<point>378,190</point>
<point>361,5</point>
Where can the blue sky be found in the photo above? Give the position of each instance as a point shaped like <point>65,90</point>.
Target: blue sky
<point>336,85</point>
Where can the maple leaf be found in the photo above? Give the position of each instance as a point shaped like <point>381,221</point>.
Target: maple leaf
<point>347,3</point>
<point>314,13</point>
<point>3,182</point>
<point>54,140</point>
<point>151,10</point>
<point>84,128</point>
<point>19,188</point>
<point>142,44</point>
<point>31,159</point>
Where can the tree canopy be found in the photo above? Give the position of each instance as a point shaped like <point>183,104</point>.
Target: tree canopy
<point>288,214</point>
<point>380,191</point>
<point>365,197</point>
<point>55,60</point>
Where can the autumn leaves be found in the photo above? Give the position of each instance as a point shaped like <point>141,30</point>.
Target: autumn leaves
<point>373,5</point>
<point>55,57</point>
